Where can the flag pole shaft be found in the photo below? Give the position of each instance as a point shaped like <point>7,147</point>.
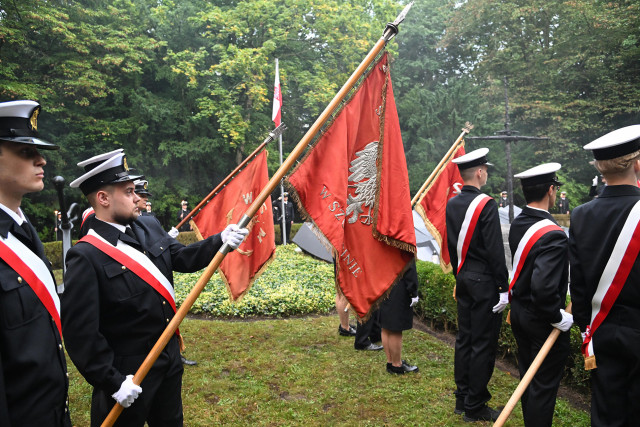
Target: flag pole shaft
<point>224,182</point>
<point>528,376</point>
<point>283,212</point>
<point>444,161</point>
<point>390,31</point>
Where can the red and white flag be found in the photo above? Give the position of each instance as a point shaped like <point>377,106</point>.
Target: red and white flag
<point>432,205</point>
<point>240,268</point>
<point>277,99</point>
<point>353,184</point>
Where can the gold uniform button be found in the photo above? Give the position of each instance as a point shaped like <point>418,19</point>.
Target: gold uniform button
<point>60,346</point>
<point>164,303</point>
<point>67,374</point>
<point>19,279</point>
<point>124,268</point>
<point>167,320</point>
<point>161,248</point>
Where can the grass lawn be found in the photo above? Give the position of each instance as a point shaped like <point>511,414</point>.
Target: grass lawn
<point>298,371</point>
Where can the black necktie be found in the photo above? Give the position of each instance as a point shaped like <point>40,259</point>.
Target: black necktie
<point>129,232</point>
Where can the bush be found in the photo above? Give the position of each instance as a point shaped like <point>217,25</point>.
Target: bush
<point>294,284</point>
<point>438,307</point>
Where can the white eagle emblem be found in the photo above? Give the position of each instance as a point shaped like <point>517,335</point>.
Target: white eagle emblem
<point>364,173</point>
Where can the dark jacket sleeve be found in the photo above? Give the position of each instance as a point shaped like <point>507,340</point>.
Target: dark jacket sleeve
<point>489,224</point>
<point>548,274</point>
<point>196,256</point>
<point>87,347</point>
<point>4,408</point>
<point>411,280</point>
<point>580,296</point>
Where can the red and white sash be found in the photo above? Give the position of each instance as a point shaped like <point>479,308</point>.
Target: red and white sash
<point>137,262</point>
<point>615,274</point>
<point>469,226</point>
<point>34,271</point>
<point>533,234</point>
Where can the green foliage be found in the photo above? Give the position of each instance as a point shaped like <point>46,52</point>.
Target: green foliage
<point>293,284</point>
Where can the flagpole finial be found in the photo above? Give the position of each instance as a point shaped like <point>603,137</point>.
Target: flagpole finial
<point>467,127</point>
<point>392,27</point>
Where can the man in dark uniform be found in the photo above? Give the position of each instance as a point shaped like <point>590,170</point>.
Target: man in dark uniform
<point>142,190</point>
<point>184,212</point>
<point>504,201</point>
<point>288,215</point>
<point>475,244</point>
<point>33,370</point>
<point>539,291</point>
<point>144,206</point>
<point>114,311</point>
<point>604,233</point>
<point>563,204</point>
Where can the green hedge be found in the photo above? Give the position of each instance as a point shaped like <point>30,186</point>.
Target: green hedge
<point>438,308</point>
<point>294,284</point>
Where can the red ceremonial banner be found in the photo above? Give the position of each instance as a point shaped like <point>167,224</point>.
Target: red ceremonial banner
<point>432,205</point>
<point>241,268</point>
<point>353,184</point>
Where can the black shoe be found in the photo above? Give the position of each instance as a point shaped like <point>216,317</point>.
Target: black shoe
<point>401,369</point>
<point>483,414</point>
<point>186,361</point>
<point>371,347</point>
<point>459,407</point>
<point>351,332</point>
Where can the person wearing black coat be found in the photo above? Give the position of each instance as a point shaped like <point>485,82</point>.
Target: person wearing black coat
<point>33,371</point>
<point>481,289</point>
<point>111,316</point>
<point>396,315</point>
<point>539,293</point>
<point>597,227</point>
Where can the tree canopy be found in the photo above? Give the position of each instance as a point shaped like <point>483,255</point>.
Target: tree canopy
<point>185,87</point>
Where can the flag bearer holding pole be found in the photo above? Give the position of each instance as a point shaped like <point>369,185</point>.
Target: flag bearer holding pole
<point>604,241</point>
<point>119,298</point>
<point>538,291</point>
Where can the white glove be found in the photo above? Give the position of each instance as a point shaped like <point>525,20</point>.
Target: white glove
<point>583,335</point>
<point>502,303</point>
<point>565,324</point>
<point>173,233</point>
<point>414,301</point>
<point>128,392</point>
<point>233,235</point>
<point>595,181</point>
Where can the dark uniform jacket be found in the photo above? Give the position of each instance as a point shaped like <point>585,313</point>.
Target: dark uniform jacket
<point>595,227</point>
<point>486,250</point>
<point>33,374</point>
<point>181,215</point>
<point>108,312</point>
<point>563,206</point>
<point>541,288</point>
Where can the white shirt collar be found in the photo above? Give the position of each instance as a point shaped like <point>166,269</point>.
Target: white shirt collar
<point>17,217</point>
<point>120,227</point>
<point>538,209</point>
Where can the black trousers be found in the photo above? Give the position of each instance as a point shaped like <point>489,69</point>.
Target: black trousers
<point>159,404</point>
<point>368,332</point>
<point>477,338</point>
<point>539,399</point>
<point>615,383</point>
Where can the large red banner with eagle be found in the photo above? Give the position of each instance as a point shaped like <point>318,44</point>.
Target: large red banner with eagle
<point>432,205</point>
<point>240,268</point>
<point>353,184</point>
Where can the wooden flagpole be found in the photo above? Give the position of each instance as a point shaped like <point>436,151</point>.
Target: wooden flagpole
<point>389,32</point>
<point>272,136</point>
<point>447,157</point>
<point>528,376</point>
